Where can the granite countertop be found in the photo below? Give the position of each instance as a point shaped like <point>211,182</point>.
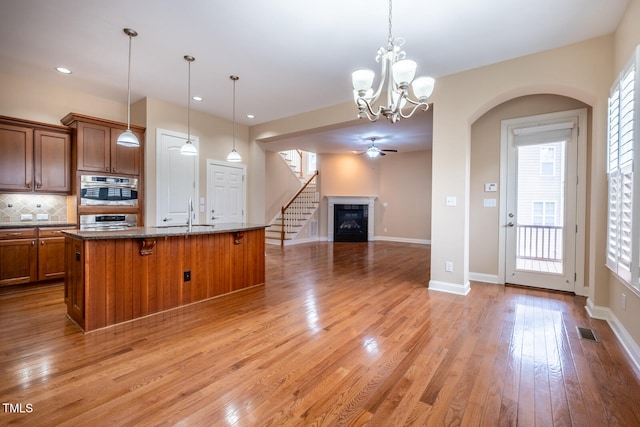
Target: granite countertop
<point>161,231</point>
<point>34,224</point>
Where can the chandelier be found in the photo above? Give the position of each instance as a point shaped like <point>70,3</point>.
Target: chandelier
<point>399,74</point>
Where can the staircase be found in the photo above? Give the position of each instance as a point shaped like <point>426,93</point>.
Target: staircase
<point>297,212</point>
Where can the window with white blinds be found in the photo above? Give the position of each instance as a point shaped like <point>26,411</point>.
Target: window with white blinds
<point>623,224</point>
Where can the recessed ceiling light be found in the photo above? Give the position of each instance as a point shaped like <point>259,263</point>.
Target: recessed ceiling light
<point>197,98</point>
<point>63,70</point>
<point>250,116</point>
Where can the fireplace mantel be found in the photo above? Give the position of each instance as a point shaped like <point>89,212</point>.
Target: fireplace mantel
<point>351,200</point>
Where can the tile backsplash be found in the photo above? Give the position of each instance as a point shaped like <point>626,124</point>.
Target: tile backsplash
<point>13,206</point>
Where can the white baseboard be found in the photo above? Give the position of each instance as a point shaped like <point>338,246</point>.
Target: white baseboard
<point>402,240</point>
<point>605,313</point>
<point>292,242</point>
<point>451,288</point>
<point>485,278</point>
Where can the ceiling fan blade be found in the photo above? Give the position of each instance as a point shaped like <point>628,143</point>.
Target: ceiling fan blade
<point>381,153</point>
<point>390,151</point>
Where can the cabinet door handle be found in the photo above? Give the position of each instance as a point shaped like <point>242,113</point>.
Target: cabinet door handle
<point>33,243</point>
<point>41,242</point>
<point>106,169</point>
<point>28,184</point>
<point>38,185</point>
<point>114,170</point>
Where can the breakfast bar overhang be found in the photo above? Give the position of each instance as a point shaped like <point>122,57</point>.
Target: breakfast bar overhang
<point>118,276</point>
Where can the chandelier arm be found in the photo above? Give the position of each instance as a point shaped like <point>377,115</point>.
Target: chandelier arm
<point>365,107</point>
<point>414,109</point>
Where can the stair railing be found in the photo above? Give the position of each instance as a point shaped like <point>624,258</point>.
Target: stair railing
<point>296,214</point>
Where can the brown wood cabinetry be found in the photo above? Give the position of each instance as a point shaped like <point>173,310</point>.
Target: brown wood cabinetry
<point>51,253</point>
<point>96,147</point>
<point>114,280</point>
<point>34,157</point>
<point>18,256</point>
<point>31,254</point>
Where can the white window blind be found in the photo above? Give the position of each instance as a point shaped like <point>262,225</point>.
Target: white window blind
<point>623,224</point>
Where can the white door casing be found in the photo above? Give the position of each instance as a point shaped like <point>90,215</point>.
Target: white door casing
<point>226,190</point>
<point>526,133</point>
<point>177,178</point>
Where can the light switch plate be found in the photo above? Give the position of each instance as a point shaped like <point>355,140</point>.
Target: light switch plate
<point>451,201</point>
<point>489,203</point>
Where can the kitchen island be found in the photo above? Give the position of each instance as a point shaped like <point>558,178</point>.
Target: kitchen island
<point>121,275</point>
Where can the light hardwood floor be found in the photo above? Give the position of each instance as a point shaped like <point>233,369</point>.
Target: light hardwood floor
<point>341,334</point>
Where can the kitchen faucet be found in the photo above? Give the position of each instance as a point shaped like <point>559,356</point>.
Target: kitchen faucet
<point>190,214</point>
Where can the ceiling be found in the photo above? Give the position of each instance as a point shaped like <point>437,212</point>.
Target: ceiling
<point>292,56</point>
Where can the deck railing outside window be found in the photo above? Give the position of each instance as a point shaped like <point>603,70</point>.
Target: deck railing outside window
<point>540,242</point>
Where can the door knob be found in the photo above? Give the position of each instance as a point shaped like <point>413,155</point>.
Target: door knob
<point>510,224</point>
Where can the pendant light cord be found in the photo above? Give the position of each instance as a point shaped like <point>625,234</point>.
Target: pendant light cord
<point>234,113</point>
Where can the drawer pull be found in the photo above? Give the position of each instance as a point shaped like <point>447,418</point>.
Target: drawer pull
<point>15,234</point>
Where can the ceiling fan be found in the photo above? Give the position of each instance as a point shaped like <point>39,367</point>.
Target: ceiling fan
<point>374,151</point>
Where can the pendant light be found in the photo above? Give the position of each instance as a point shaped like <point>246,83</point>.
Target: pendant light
<point>188,149</point>
<point>234,156</point>
<point>127,138</point>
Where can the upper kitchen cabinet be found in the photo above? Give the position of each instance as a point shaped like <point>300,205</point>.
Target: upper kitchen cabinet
<point>96,147</point>
<point>34,157</point>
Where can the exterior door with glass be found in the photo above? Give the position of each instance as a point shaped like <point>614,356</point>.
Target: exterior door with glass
<point>540,221</point>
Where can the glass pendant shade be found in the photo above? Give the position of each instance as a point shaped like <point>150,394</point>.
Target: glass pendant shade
<point>234,156</point>
<point>362,80</point>
<point>404,71</point>
<point>423,87</point>
<point>128,139</point>
<point>188,149</point>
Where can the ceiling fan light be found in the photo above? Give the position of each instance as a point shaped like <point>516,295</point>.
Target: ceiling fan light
<point>423,87</point>
<point>373,151</point>
<point>362,80</point>
<point>404,71</point>
<point>188,149</point>
<point>128,139</point>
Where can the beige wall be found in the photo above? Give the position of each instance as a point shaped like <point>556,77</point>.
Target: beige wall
<point>626,39</point>
<point>485,168</point>
<point>401,180</point>
<point>32,100</point>
<point>215,142</point>
<point>281,184</point>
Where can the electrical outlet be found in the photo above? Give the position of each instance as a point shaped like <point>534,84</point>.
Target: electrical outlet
<point>26,217</point>
<point>448,266</point>
<point>42,217</point>
<point>187,276</point>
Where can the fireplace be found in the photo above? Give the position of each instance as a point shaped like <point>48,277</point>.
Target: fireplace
<point>350,223</point>
<point>350,218</point>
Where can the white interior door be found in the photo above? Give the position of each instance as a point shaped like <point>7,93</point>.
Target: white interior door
<point>225,192</point>
<point>541,217</point>
<point>176,178</point>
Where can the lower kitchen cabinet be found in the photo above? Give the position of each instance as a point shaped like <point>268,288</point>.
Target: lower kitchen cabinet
<point>18,256</point>
<point>31,254</point>
<point>51,253</point>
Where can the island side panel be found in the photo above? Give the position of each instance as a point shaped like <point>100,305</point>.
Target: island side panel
<point>74,280</point>
<point>121,284</point>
